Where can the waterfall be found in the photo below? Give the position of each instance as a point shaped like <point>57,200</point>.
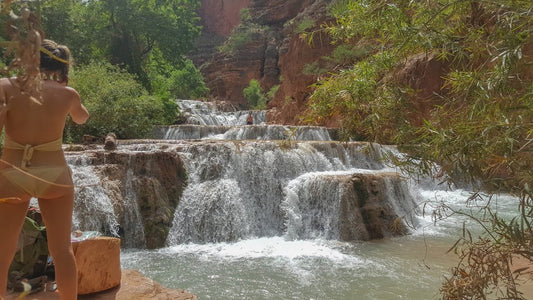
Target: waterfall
<point>244,132</point>
<point>134,232</point>
<point>278,132</point>
<point>240,189</point>
<point>204,120</point>
<point>207,113</point>
<point>312,206</point>
<point>93,209</point>
<point>243,181</point>
<point>220,217</point>
<point>98,205</point>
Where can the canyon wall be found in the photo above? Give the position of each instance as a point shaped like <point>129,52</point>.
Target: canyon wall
<point>275,56</point>
<point>221,16</point>
<point>218,19</point>
<point>278,54</point>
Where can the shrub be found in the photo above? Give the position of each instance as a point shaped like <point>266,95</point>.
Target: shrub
<point>272,92</point>
<point>180,83</point>
<point>304,25</point>
<point>117,103</point>
<point>245,33</point>
<point>255,95</point>
<point>314,68</point>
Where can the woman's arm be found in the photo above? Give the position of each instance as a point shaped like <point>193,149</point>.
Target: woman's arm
<point>78,112</point>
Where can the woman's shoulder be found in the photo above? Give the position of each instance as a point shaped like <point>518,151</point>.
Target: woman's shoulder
<point>60,88</point>
<point>73,93</point>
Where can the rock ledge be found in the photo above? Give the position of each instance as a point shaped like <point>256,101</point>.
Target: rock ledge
<point>133,286</point>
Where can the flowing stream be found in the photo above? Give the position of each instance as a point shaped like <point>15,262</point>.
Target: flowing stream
<point>259,217</point>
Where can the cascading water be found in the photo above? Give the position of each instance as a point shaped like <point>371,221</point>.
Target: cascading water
<point>134,230</point>
<point>244,132</point>
<point>312,206</point>
<point>261,215</point>
<point>206,113</point>
<point>93,210</point>
<point>205,121</point>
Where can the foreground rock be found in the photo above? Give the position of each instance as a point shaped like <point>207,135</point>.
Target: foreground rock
<point>134,286</point>
<point>98,263</point>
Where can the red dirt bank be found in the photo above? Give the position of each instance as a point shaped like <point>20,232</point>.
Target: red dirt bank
<point>134,286</point>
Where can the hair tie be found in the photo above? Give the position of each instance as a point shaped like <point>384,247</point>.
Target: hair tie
<point>47,52</point>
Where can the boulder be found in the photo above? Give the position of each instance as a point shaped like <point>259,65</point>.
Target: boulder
<point>368,207</point>
<point>110,142</point>
<point>98,263</point>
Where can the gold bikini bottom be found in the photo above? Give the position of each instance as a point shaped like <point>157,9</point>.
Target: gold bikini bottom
<point>35,181</point>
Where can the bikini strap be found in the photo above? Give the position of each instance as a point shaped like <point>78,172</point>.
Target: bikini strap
<point>28,149</point>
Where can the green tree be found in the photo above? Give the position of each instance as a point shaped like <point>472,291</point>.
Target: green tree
<point>123,32</point>
<point>255,95</point>
<point>138,26</point>
<point>480,126</point>
<point>117,103</point>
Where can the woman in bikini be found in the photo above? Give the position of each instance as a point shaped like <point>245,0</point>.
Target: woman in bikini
<point>33,164</point>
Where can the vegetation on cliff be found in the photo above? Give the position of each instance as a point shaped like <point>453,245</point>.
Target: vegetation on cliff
<point>477,126</point>
<point>246,32</point>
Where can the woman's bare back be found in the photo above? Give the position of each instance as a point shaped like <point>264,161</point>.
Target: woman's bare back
<point>35,121</point>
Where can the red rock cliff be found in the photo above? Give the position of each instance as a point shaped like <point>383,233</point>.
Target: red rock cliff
<point>221,16</point>
<point>218,19</point>
<point>278,55</point>
<point>275,51</point>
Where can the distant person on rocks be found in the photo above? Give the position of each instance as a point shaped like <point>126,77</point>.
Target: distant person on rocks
<point>33,164</point>
<point>250,119</point>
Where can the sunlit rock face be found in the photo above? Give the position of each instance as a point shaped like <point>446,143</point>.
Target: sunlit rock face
<point>266,55</point>
<point>217,18</point>
<point>217,181</point>
<point>221,16</point>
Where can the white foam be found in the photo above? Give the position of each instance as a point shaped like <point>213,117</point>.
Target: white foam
<point>267,247</point>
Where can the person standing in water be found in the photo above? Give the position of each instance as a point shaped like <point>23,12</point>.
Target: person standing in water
<point>250,119</point>
<point>33,164</point>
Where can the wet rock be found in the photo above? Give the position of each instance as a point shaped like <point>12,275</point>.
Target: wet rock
<point>110,142</point>
<point>367,207</point>
<point>150,181</point>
